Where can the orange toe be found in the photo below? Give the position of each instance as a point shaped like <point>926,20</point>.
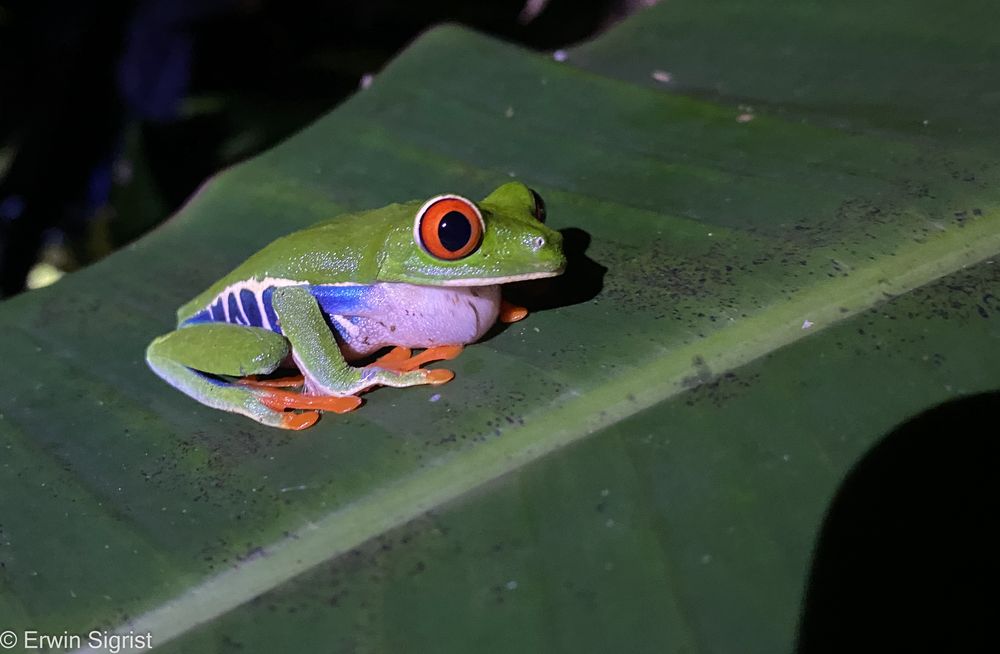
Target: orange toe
<point>280,400</point>
<point>438,376</point>
<point>395,356</point>
<point>397,363</point>
<point>299,421</point>
<point>511,312</point>
<point>436,353</point>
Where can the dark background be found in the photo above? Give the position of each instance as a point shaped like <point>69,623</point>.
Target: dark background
<point>113,112</point>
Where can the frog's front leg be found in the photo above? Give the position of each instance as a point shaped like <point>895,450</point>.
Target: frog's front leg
<point>319,358</point>
<point>197,358</point>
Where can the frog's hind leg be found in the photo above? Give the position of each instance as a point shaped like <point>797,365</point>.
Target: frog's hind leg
<point>191,359</point>
<point>318,356</point>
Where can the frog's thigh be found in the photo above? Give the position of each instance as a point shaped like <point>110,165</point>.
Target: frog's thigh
<point>220,349</point>
<point>223,349</point>
<point>318,355</point>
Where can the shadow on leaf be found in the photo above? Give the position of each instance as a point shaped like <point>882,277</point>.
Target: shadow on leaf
<point>582,281</point>
<point>903,561</point>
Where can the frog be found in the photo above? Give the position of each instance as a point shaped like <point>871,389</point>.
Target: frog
<point>419,275</point>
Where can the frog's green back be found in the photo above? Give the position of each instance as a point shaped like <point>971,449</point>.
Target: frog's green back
<point>344,249</point>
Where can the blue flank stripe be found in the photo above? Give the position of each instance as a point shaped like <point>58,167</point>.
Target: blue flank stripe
<point>205,315</point>
<point>218,313</point>
<point>341,300</point>
<point>272,317</point>
<point>214,313</point>
<point>234,311</point>
<point>210,379</point>
<point>249,302</point>
<point>347,301</point>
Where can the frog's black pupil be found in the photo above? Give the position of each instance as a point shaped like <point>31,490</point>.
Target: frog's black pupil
<point>454,231</point>
<point>539,206</point>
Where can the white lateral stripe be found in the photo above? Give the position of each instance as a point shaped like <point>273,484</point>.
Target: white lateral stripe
<point>243,312</point>
<point>490,281</point>
<point>255,286</point>
<point>351,328</point>
<point>265,321</point>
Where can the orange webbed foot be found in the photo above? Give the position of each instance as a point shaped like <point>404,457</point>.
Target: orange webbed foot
<point>511,312</point>
<point>279,400</point>
<point>299,421</point>
<point>400,359</point>
<point>393,358</point>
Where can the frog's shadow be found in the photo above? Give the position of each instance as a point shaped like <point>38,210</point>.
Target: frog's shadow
<point>582,281</point>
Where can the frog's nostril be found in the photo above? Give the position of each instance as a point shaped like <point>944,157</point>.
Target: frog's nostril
<point>539,242</point>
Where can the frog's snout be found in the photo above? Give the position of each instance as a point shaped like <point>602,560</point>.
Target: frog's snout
<point>549,247</point>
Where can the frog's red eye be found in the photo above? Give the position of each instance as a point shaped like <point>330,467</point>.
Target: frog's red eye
<point>449,227</point>
<point>539,210</point>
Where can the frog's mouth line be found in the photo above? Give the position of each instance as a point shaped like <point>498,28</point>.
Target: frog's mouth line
<point>489,281</point>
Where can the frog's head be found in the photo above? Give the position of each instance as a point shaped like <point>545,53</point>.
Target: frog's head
<point>453,241</point>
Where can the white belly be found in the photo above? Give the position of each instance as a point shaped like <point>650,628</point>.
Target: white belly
<point>417,317</point>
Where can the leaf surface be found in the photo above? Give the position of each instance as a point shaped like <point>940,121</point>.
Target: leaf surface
<point>733,236</point>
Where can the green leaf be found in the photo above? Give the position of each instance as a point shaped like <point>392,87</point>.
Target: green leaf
<point>729,234</point>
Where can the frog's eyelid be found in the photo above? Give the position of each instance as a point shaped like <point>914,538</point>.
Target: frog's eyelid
<point>539,207</point>
<point>447,196</point>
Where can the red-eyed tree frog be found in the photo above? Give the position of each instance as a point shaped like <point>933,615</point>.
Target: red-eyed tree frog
<point>422,274</point>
